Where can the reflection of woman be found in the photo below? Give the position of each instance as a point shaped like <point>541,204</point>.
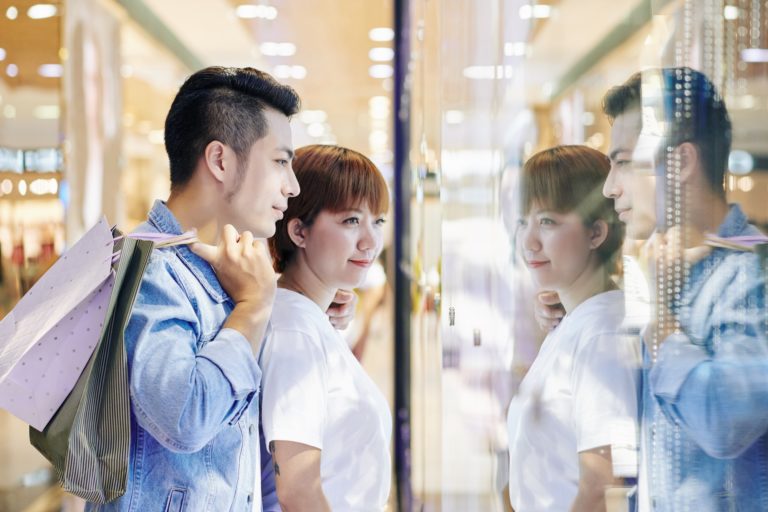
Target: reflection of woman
<point>326,423</point>
<point>574,413</point>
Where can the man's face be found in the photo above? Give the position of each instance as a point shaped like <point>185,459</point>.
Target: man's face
<point>257,199</point>
<point>631,182</point>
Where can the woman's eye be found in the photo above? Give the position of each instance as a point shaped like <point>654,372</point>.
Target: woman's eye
<point>352,220</point>
<point>547,222</point>
<point>522,222</point>
<point>282,162</point>
<point>381,222</point>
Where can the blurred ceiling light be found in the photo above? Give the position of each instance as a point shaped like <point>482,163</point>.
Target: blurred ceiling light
<point>41,186</point>
<point>50,70</point>
<point>313,116</point>
<point>515,49</point>
<point>12,70</point>
<point>156,137</point>
<point>454,116</point>
<point>22,187</point>
<point>731,12</point>
<point>249,12</point>
<point>379,102</point>
<point>381,71</point>
<point>2,54</point>
<point>126,71</point>
<point>6,186</point>
<point>745,183</point>
<point>286,71</point>
<point>381,34</point>
<point>46,112</point>
<point>750,55</point>
<point>12,13</point>
<point>487,72</point>
<point>535,11</point>
<point>744,102</point>
<point>272,49</point>
<point>377,140</point>
<point>740,162</point>
<point>42,11</point>
<point>316,130</point>
<point>381,54</point>
<point>9,112</point>
<point>588,118</point>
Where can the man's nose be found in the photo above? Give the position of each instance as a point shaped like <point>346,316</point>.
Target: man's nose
<point>611,186</point>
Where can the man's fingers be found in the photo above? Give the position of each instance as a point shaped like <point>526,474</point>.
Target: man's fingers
<point>205,251</point>
<point>549,298</point>
<point>343,296</point>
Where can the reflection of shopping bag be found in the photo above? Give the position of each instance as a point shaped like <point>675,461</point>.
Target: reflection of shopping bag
<point>47,339</point>
<point>87,440</point>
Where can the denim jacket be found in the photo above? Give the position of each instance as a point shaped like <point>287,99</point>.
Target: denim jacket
<point>194,391</point>
<point>705,410</point>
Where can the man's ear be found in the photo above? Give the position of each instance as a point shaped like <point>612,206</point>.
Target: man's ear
<point>297,231</point>
<point>690,162</point>
<point>216,158</point>
<point>598,233</point>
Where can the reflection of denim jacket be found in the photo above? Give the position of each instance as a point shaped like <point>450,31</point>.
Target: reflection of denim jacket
<point>705,410</point>
<point>193,388</point>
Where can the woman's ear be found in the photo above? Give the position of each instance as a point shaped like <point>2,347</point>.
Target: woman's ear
<point>598,233</point>
<point>297,232</point>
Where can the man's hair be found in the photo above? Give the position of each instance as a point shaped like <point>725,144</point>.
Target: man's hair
<point>223,104</point>
<point>707,124</point>
<point>568,179</point>
<point>331,178</point>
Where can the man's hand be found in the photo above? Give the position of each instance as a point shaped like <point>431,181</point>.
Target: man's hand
<point>548,310</point>
<point>244,270</point>
<point>342,309</point>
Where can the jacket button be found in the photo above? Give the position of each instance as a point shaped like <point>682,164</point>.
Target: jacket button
<point>250,498</point>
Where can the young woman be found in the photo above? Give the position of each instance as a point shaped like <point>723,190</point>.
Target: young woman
<point>573,418</point>
<point>325,422</point>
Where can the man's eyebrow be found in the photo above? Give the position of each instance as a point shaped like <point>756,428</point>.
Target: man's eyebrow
<point>288,151</point>
<point>615,153</point>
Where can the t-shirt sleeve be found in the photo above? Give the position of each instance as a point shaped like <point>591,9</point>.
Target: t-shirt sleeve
<point>604,382</point>
<point>294,388</point>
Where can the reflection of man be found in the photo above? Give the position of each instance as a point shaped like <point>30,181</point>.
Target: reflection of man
<point>705,385</point>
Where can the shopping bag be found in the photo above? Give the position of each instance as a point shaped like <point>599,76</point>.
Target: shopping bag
<point>47,339</point>
<point>88,439</point>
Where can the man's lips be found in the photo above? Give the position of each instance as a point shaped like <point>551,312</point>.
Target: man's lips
<point>624,214</point>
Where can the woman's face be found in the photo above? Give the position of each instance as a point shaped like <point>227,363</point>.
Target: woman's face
<point>340,247</point>
<point>557,247</point>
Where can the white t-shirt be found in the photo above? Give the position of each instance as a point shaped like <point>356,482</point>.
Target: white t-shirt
<point>315,392</point>
<point>580,393</point>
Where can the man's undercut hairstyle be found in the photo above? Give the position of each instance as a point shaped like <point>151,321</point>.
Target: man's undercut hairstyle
<point>226,105</point>
<point>692,110</point>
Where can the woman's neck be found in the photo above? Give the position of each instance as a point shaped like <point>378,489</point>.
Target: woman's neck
<point>299,278</point>
<point>586,286</point>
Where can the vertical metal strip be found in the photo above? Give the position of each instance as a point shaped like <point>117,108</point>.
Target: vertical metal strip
<point>402,249</point>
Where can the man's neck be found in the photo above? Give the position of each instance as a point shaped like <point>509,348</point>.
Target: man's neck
<point>194,210</point>
<point>706,211</point>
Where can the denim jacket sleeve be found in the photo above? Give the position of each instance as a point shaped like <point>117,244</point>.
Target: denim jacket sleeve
<point>717,388</point>
<point>184,391</point>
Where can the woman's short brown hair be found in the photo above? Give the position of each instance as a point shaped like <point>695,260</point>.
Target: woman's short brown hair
<point>331,178</point>
<point>570,179</point>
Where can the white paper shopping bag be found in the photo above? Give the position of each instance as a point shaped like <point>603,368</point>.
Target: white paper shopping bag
<point>47,339</point>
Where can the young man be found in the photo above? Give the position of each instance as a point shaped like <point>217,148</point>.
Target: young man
<point>194,336</point>
<point>705,380</point>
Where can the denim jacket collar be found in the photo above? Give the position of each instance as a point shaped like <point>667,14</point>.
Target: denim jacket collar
<point>735,222</point>
<point>163,219</point>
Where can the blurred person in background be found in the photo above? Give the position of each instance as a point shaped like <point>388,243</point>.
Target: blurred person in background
<point>575,411</point>
<point>327,425</point>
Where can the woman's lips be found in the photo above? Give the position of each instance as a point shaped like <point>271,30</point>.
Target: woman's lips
<point>361,263</point>
<point>536,264</point>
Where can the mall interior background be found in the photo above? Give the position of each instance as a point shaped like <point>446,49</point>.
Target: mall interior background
<point>474,87</point>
